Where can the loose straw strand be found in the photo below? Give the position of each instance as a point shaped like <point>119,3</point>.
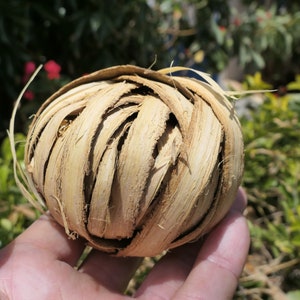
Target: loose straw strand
<point>27,186</point>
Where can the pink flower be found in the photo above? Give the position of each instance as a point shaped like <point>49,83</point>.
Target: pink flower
<point>29,95</point>
<point>53,69</point>
<point>222,28</point>
<point>29,68</point>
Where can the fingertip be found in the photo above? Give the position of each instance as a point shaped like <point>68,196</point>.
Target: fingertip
<point>240,202</point>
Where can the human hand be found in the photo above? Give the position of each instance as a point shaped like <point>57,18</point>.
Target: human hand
<point>39,264</point>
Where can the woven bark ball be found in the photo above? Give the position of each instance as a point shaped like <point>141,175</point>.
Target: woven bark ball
<point>136,161</point>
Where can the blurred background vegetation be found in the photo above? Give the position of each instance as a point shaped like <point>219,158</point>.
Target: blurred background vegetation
<point>245,44</point>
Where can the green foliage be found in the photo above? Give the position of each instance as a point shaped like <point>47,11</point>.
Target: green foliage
<point>207,34</point>
<point>196,32</point>
<point>81,36</point>
<point>267,39</point>
<point>272,171</point>
<point>272,182</point>
<point>15,212</point>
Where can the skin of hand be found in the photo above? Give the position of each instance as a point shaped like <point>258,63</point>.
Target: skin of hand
<point>39,264</point>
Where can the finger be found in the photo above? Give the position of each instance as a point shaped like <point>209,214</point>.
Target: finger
<point>114,273</point>
<point>240,202</point>
<point>46,235</point>
<point>220,261</point>
<point>169,273</point>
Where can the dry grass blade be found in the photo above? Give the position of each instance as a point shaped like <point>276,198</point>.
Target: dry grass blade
<point>25,184</point>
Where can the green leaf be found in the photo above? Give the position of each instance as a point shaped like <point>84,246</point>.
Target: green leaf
<point>295,85</point>
<point>5,170</point>
<point>6,224</point>
<point>296,241</point>
<point>258,59</point>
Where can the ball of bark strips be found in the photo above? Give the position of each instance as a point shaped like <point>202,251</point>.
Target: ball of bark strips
<point>136,161</point>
